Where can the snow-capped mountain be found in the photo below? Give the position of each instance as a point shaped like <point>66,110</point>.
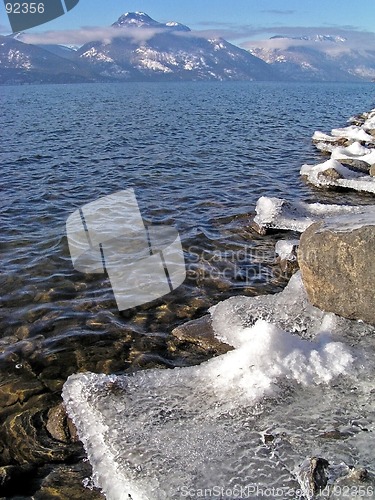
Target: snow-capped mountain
<point>24,63</point>
<point>144,49</point>
<point>140,19</point>
<point>138,48</point>
<point>315,38</point>
<point>316,58</point>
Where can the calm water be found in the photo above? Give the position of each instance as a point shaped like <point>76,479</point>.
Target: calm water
<point>198,155</point>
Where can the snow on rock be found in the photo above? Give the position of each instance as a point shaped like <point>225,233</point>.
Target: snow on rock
<point>353,132</point>
<point>346,146</point>
<point>322,137</point>
<point>99,56</point>
<point>278,213</point>
<point>286,249</point>
<point>354,153</point>
<point>332,173</point>
<point>369,120</point>
<point>154,434</point>
<point>355,149</point>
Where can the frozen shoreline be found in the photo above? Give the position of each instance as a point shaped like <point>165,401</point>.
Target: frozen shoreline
<point>275,382</point>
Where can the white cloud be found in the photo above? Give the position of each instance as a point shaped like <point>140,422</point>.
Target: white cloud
<point>89,34</point>
<point>355,39</point>
<point>247,36</point>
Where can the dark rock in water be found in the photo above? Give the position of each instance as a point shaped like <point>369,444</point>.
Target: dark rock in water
<point>337,266</point>
<point>26,439</point>
<point>65,482</point>
<point>258,229</point>
<point>268,438</point>
<point>356,165</point>
<point>318,477</point>
<point>313,476</point>
<point>201,333</point>
<point>12,475</point>
<point>335,434</point>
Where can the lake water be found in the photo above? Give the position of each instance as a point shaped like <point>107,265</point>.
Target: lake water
<point>198,156</point>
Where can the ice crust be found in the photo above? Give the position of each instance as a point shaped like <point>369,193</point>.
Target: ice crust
<point>285,249</point>
<point>354,133</point>
<point>278,213</point>
<point>356,154</point>
<point>355,151</point>
<point>351,179</point>
<point>157,434</point>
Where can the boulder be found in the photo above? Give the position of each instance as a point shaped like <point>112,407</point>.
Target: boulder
<point>372,171</point>
<point>337,265</point>
<point>200,333</point>
<point>331,174</point>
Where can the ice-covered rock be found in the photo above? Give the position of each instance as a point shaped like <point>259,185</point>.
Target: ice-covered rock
<point>319,137</point>
<point>353,133</point>
<point>337,263</point>
<point>320,175</point>
<point>278,213</point>
<point>325,147</point>
<point>165,434</point>
<point>286,249</point>
<point>369,123</point>
<point>355,155</point>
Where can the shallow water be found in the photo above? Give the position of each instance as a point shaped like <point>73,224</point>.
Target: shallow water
<point>198,155</point>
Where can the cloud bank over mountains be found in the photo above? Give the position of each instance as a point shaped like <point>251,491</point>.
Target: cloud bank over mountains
<point>136,47</point>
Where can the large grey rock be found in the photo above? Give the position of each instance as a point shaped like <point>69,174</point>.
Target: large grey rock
<point>338,267</point>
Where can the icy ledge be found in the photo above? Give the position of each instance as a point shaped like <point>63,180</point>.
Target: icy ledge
<point>332,173</point>
<point>278,213</point>
<point>347,147</point>
<point>164,434</point>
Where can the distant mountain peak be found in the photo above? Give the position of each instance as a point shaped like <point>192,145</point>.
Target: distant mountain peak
<point>143,20</point>
<point>312,38</point>
<point>135,20</point>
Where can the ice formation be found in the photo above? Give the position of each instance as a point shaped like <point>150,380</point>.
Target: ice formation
<point>347,178</point>
<point>166,434</point>
<point>278,213</point>
<point>285,249</point>
<point>354,133</point>
<point>355,151</point>
<point>333,173</point>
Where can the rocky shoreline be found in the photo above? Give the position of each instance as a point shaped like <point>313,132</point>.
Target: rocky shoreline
<point>335,253</point>
<point>41,456</point>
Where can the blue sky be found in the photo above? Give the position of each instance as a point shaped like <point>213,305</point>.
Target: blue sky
<point>235,20</point>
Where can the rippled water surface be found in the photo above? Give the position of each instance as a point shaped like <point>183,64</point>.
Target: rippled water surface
<point>198,155</point>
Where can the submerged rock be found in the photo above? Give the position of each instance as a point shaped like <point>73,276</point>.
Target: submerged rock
<point>201,333</point>
<point>337,266</point>
<point>313,476</point>
<point>318,478</point>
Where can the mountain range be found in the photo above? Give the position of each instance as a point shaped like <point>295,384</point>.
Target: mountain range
<point>138,48</point>
<point>316,58</point>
